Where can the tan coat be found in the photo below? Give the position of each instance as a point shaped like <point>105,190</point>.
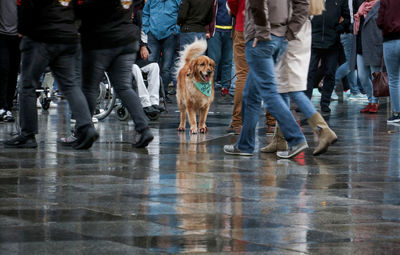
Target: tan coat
<point>292,67</point>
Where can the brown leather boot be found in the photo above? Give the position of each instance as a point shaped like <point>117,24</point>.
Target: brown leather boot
<point>325,134</point>
<point>278,142</point>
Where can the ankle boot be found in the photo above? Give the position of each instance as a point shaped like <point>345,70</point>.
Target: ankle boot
<point>325,134</point>
<point>278,142</point>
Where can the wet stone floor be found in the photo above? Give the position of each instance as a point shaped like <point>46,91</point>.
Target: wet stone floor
<point>184,195</point>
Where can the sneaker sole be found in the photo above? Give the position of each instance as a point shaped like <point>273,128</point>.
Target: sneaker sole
<point>294,153</point>
<point>393,121</point>
<point>238,153</point>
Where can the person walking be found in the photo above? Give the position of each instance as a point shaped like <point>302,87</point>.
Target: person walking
<point>50,38</point>
<point>369,49</point>
<point>266,31</point>
<point>389,21</point>
<point>291,77</point>
<point>9,57</point>
<point>110,43</point>
<point>326,30</point>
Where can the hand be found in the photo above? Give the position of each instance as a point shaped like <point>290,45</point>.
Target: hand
<point>144,53</point>
<point>208,36</point>
<point>255,42</point>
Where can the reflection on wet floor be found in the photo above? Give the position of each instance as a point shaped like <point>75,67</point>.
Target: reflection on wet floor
<point>184,195</point>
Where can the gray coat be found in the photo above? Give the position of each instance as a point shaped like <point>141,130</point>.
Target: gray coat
<point>372,39</point>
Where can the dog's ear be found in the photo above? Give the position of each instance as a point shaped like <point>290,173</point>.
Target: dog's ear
<point>191,68</point>
<point>212,64</point>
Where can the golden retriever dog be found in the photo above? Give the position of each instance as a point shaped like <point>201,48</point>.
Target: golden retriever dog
<point>195,91</point>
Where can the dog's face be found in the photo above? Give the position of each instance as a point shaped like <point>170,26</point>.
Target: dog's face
<point>202,69</point>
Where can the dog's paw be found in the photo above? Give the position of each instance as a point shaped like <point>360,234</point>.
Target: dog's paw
<point>204,130</point>
<point>181,129</point>
<point>193,131</point>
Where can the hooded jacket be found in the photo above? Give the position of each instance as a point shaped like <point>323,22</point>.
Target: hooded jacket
<point>389,19</point>
<point>266,17</point>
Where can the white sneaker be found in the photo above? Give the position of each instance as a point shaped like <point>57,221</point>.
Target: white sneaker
<point>334,96</point>
<point>52,104</point>
<point>316,93</point>
<point>95,120</point>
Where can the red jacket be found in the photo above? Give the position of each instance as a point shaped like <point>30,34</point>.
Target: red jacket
<point>389,19</point>
<point>237,9</point>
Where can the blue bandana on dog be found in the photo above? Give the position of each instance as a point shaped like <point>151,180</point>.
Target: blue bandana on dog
<point>204,87</point>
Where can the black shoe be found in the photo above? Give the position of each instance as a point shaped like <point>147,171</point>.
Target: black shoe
<point>21,141</point>
<point>142,138</point>
<point>150,110</point>
<point>168,100</point>
<point>86,138</point>
<point>325,108</point>
<point>159,107</point>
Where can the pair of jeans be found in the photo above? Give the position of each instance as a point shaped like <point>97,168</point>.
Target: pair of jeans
<point>365,75</point>
<point>62,60</point>
<point>162,52</point>
<point>118,63</point>
<point>302,101</point>
<point>9,64</point>
<point>391,52</point>
<point>221,51</point>
<point>329,60</point>
<point>344,70</point>
<point>189,37</point>
<point>261,85</point>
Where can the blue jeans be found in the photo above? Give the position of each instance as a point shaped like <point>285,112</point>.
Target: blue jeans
<point>344,69</point>
<point>167,47</point>
<point>365,75</point>
<point>391,52</point>
<point>62,60</point>
<point>261,85</point>
<point>189,37</point>
<point>221,51</point>
<point>118,63</point>
<point>302,101</point>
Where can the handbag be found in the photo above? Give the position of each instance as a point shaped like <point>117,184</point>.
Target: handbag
<point>380,83</point>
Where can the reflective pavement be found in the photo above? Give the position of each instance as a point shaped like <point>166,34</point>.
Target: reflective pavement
<point>184,195</point>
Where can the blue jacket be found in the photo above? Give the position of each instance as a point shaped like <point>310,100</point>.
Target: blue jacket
<point>160,16</point>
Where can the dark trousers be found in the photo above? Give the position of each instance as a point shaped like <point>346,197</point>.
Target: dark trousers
<point>323,64</point>
<point>62,60</point>
<point>9,64</point>
<point>118,63</point>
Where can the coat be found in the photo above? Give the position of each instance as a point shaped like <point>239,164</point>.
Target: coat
<point>372,39</point>
<point>292,67</point>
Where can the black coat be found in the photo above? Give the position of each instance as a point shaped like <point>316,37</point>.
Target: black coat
<point>326,28</point>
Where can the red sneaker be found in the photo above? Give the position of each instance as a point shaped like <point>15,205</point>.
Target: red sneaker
<point>374,108</point>
<point>366,108</point>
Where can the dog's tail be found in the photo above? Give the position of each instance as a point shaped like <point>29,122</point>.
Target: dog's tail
<point>191,51</point>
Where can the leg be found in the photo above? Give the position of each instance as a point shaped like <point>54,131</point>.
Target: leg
<point>153,78</point>
<point>214,51</point>
<point>35,58</point>
<point>63,68</point>
<point>94,64</point>
<point>391,51</point>
<point>168,49</point>
<point>312,79</point>
<point>202,119</point>
<point>121,78</point>
<point>364,76</point>
<point>330,60</point>
<point>226,60</point>
<point>241,74</point>
<point>191,111</point>
<point>141,87</point>
<point>182,124</point>
<point>303,102</point>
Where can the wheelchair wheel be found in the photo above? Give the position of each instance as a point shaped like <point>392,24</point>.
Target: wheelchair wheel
<point>122,113</point>
<point>106,99</point>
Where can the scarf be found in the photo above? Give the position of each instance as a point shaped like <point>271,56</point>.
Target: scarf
<point>362,11</point>
<point>204,87</point>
